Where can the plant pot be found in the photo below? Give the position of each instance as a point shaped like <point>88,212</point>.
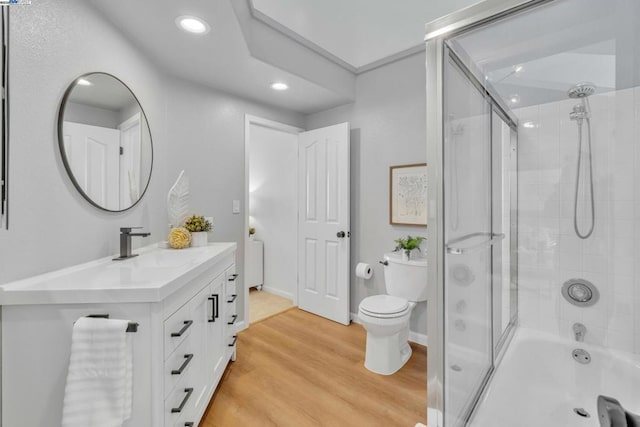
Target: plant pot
<point>199,238</point>
<point>406,255</point>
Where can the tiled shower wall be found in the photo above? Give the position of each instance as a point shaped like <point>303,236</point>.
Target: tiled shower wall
<point>549,250</point>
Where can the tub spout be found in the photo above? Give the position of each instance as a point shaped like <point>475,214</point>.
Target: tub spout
<point>579,331</point>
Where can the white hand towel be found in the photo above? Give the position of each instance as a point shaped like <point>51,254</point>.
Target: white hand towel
<point>100,379</point>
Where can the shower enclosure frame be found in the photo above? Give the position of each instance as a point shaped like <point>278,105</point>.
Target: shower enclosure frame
<point>437,33</point>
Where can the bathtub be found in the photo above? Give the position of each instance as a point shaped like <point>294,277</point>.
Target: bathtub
<point>538,383</point>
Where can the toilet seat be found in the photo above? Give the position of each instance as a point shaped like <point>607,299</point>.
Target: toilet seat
<point>384,306</point>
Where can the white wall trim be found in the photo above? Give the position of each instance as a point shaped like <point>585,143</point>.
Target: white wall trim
<point>241,326</point>
<point>292,35</point>
<point>413,336</point>
<point>271,124</point>
<point>279,292</point>
<point>418,338</point>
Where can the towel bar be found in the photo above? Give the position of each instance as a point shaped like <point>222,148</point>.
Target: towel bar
<point>132,327</point>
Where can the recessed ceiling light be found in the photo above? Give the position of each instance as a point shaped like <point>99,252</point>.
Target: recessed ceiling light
<point>84,82</point>
<point>279,86</point>
<point>191,24</point>
<point>518,68</point>
<point>514,99</point>
<point>529,125</point>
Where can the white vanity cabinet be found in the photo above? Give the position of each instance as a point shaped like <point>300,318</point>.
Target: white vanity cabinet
<point>182,346</point>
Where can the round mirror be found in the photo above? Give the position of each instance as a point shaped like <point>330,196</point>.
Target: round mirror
<point>105,141</point>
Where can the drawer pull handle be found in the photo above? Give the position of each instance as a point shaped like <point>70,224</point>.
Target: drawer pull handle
<point>214,308</point>
<point>188,358</point>
<point>235,338</point>
<point>184,401</point>
<point>187,323</point>
<point>233,277</point>
<point>233,298</point>
<point>235,317</point>
<point>188,424</point>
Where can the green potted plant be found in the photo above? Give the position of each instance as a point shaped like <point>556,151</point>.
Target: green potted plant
<point>252,233</point>
<point>407,245</point>
<point>198,227</point>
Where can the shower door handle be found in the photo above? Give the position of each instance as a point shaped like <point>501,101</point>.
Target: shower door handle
<point>455,248</point>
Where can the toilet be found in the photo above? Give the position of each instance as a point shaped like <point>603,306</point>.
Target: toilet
<point>386,317</point>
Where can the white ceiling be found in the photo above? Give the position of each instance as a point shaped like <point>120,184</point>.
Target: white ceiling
<point>316,47</point>
<point>359,32</point>
<point>219,59</point>
<point>105,92</point>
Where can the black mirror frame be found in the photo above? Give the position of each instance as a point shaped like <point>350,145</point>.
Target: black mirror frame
<point>63,153</point>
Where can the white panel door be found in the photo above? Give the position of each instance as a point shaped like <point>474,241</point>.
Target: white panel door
<point>130,161</point>
<point>323,217</point>
<point>93,152</point>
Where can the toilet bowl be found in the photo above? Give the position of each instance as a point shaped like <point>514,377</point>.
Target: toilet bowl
<point>386,317</point>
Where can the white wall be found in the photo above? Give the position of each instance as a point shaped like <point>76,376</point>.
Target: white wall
<point>207,141</point>
<point>193,128</point>
<point>387,128</point>
<point>52,226</point>
<point>549,250</point>
<point>273,178</point>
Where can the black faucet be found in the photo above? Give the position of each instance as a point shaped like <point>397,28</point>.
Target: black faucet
<point>125,242</point>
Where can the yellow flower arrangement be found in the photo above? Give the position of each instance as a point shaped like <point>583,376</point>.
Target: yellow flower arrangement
<point>179,238</point>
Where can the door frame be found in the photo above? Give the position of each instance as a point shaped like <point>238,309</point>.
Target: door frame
<point>250,120</point>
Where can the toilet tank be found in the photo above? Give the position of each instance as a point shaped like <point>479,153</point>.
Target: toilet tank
<point>406,279</point>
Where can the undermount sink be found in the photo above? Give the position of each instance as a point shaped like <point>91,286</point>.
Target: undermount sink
<point>164,258</point>
<point>150,276</point>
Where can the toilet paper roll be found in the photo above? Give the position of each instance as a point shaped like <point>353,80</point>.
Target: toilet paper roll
<point>363,270</point>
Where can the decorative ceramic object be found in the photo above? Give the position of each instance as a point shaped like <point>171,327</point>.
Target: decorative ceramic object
<point>179,238</point>
<point>198,238</point>
<point>178,201</point>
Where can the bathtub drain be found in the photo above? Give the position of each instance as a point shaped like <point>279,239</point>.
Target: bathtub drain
<point>582,412</point>
<point>581,356</point>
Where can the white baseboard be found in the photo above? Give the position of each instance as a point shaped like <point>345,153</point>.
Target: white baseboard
<point>413,336</point>
<point>241,326</point>
<point>279,292</point>
<point>418,338</point>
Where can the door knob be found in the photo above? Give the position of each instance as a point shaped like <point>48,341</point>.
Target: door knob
<point>341,234</point>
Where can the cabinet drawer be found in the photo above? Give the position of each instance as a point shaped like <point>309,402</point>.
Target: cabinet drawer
<point>179,405</point>
<point>178,365</point>
<point>176,328</point>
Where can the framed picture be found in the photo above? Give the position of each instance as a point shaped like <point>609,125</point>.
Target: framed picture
<point>408,194</point>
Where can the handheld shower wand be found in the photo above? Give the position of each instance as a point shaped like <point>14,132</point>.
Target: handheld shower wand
<point>582,113</point>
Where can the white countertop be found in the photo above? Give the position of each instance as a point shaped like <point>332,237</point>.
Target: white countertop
<point>150,277</point>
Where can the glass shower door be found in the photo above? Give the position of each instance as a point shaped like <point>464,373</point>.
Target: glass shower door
<point>469,239</point>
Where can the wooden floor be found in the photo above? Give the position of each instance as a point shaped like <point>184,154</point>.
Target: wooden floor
<point>263,305</point>
<point>298,369</point>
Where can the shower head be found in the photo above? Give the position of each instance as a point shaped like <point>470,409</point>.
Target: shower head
<point>581,90</point>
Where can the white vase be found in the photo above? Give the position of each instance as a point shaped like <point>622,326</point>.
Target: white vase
<point>252,237</point>
<point>198,238</point>
<point>406,255</point>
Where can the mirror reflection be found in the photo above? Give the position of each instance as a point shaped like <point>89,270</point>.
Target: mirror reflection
<point>105,141</point>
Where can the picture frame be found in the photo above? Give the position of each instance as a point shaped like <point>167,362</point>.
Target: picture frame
<point>408,194</point>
